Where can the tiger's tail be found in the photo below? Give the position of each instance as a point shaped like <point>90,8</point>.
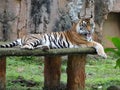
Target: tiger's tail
<point>12,44</point>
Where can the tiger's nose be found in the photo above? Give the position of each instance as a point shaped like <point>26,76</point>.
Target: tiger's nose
<point>88,28</point>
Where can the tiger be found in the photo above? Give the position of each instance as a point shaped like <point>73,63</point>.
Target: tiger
<point>79,35</point>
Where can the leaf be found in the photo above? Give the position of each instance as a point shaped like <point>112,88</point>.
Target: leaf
<point>116,42</point>
<point>117,63</point>
<point>113,51</point>
<point>110,50</point>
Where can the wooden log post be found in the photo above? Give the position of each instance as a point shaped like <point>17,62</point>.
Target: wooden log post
<point>52,71</point>
<point>2,73</point>
<point>76,72</point>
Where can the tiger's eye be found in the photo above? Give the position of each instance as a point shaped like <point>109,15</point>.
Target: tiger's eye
<point>85,34</point>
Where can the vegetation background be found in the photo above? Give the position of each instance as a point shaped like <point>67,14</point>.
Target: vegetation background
<point>26,73</point>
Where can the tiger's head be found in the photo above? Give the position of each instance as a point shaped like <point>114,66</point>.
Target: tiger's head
<point>85,27</point>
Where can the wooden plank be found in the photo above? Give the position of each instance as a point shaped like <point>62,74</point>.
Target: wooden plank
<point>76,72</point>
<point>52,72</point>
<point>39,52</point>
<point>2,73</point>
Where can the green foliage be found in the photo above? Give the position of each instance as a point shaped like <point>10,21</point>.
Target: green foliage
<point>116,51</point>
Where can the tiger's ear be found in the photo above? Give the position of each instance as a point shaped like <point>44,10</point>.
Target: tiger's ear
<point>91,16</point>
<point>75,22</point>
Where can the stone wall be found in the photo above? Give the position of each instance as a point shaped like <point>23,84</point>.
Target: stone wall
<point>111,24</point>
<point>20,17</point>
<point>111,28</point>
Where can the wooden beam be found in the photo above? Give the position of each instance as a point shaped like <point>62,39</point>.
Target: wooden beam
<point>39,52</point>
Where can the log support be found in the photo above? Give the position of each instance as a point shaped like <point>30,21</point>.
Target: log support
<point>2,73</point>
<point>76,72</point>
<point>52,71</point>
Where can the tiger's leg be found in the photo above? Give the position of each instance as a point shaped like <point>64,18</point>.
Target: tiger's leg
<point>99,48</point>
<point>43,47</point>
<point>27,46</point>
<point>31,44</point>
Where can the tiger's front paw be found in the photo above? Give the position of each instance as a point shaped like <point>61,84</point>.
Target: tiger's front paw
<point>100,51</point>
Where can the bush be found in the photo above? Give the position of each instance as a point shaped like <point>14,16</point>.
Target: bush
<point>116,50</point>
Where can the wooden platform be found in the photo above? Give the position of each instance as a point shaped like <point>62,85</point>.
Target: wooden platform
<point>52,68</point>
